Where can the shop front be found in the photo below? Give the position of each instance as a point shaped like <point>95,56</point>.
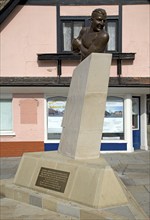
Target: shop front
<point>35,119</point>
<point>124,128</point>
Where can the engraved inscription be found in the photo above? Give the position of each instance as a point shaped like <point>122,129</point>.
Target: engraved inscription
<point>52,179</point>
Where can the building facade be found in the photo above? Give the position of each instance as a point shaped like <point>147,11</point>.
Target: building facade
<point>37,66</point>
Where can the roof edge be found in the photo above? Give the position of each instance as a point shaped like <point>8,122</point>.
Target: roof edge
<point>7,9</point>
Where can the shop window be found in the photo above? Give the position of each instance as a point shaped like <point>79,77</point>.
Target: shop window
<point>5,115</point>
<point>55,111</point>
<point>113,128</point>
<point>135,113</point>
<point>71,27</point>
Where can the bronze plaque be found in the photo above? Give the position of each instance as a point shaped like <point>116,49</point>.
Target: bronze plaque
<point>52,179</point>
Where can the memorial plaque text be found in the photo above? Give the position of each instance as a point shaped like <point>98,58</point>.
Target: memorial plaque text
<point>52,179</point>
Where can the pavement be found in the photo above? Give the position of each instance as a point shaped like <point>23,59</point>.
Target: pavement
<point>132,168</point>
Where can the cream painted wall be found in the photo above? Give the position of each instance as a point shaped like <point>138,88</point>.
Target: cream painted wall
<point>136,38</point>
<point>28,30</point>
<point>27,131</point>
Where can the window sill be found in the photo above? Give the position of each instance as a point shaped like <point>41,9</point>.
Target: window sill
<point>74,56</point>
<point>7,133</point>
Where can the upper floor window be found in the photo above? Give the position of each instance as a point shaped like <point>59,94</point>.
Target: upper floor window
<point>112,29</point>
<point>71,26</point>
<point>5,115</point>
<point>71,30</point>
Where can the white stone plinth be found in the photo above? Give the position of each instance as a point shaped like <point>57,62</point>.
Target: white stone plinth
<point>85,108</point>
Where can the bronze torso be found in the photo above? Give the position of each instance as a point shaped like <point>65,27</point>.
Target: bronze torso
<point>92,39</point>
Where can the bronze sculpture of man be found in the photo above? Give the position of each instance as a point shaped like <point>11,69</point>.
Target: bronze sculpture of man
<point>92,39</point>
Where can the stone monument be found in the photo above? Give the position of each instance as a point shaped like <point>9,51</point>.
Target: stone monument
<point>77,176</point>
<point>85,108</point>
<point>84,114</point>
<point>76,172</point>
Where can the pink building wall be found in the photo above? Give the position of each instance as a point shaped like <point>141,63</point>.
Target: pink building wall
<point>136,38</point>
<point>86,10</point>
<point>30,30</point>
<point>28,118</point>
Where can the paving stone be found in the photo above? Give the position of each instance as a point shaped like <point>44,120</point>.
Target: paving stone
<point>146,208</point>
<point>35,200</point>
<point>124,210</point>
<point>127,181</point>
<point>140,168</point>
<point>140,194</point>
<point>139,178</point>
<point>147,187</point>
<point>13,210</point>
<point>8,167</point>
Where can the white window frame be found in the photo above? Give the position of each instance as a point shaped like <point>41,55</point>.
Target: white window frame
<point>7,132</point>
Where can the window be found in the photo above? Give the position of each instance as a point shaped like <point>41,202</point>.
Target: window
<point>70,31</point>
<point>112,29</point>
<point>5,115</point>
<point>135,113</point>
<point>113,128</point>
<point>71,27</point>
<point>55,111</point>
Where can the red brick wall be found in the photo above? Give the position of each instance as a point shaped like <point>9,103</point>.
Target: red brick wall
<point>14,149</point>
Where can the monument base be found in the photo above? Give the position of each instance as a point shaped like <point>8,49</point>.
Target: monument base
<point>87,189</point>
<point>89,182</point>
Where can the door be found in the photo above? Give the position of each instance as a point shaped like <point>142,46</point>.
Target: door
<point>136,122</point>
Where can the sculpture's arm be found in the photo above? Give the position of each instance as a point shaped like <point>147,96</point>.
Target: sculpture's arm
<point>97,46</point>
<point>76,43</point>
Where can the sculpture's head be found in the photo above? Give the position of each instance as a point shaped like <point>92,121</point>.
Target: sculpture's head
<point>98,19</point>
